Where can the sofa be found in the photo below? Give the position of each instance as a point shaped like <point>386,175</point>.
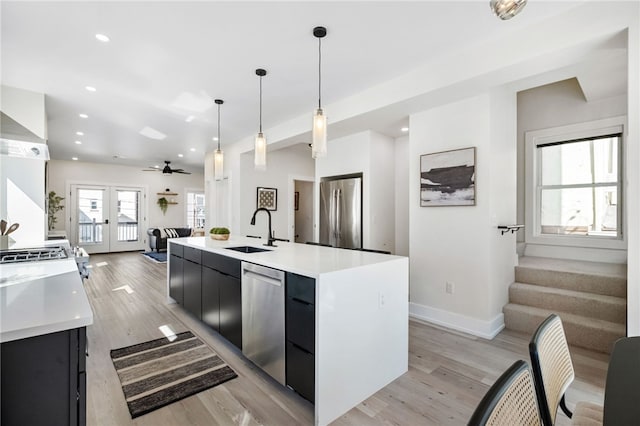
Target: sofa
<point>158,241</point>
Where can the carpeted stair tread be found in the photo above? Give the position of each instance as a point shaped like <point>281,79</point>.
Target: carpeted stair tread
<point>586,332</point>
<point>608,308</point>
<point>605,279</point>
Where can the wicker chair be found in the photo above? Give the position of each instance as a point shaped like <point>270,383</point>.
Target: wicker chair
<point>553,373</point>
<point>510,401</point>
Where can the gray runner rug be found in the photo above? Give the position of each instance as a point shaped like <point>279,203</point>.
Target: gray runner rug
<point>156,373</point>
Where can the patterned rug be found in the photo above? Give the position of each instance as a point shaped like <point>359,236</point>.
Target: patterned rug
<point>156,257</point>
<point>156,373</point>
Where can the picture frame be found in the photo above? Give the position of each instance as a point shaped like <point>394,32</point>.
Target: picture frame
<point>448,178</point>
<point>296,200</point>
<point>267,198</point>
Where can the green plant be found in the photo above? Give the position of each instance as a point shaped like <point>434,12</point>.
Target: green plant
<point>219,231</point>
<point>163,203</point>
<point>53,207</point>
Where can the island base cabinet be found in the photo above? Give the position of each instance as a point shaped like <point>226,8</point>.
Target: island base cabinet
<point>231,309</point>
<point>301,371</point>
<point>176,290</point>
<point>43,380</point>
<point>193,288</point>
<point>211,298</point>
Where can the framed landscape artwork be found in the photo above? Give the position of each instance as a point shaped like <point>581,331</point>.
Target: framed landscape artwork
<point>267,198</point>
<point>448,178</point>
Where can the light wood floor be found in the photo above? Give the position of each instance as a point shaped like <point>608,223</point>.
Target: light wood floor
<point>449,372</point>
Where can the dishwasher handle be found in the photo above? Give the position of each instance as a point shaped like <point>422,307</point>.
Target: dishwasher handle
<point>261,277</point>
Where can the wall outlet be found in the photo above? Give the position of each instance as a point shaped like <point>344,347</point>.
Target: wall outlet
<point>449,287</point>
<point>381,300</point>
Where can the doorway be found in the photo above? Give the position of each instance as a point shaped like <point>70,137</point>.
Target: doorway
<point>107,218</point>
<point>303,211</point>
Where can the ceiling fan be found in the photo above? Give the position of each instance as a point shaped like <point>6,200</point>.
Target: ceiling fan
<point>166,169</point>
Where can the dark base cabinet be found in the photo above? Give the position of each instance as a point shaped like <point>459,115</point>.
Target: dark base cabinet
<point>43,380</point>
<point>176,290</point>
<point>193,288</point>
<point>231,309</point>
<point>301,335</point>
<point>211,298</point>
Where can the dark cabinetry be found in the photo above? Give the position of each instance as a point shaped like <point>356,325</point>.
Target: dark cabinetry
<point>300,330</point>
<point>43,379</point>
<point>222,296</point>
<point>176,287</point>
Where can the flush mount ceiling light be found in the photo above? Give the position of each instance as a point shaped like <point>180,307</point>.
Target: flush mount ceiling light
<point>90,88</point>
<point>319,145</point>
<point>506,9</point>
<point>260,157</point>
<point>218,156</point>
<point>83,115</point>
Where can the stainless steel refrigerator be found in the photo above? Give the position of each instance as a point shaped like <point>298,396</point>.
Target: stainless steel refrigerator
<point>341,211</point>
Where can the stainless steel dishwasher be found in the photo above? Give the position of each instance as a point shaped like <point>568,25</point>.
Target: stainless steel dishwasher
<point>263,327</point>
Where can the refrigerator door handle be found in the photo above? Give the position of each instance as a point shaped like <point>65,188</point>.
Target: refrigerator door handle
<point>338,217</point>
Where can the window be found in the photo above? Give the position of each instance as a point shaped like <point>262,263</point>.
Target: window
<point>578,186</point>
<point>195,209</point>
<point>574,184</point>
<point>94,205</point>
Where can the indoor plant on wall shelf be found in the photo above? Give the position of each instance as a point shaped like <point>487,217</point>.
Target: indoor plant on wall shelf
<point>219,233</point>
<point>53,207</point>
<point>163,203</point>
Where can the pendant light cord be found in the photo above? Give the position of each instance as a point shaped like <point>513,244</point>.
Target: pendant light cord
<point>260,131</point>
<point>319,72</point>
<point>218,127</point>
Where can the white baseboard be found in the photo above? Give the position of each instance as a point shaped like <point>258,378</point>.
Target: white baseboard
<point>474,326</point>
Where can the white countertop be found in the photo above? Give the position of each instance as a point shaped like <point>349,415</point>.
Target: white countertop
<point>41,297</point>
<point>303,259</point>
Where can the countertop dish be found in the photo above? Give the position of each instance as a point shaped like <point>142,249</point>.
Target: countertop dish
<point>303,259</point>
<point>41,297</point>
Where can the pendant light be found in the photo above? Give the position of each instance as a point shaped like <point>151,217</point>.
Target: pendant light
<point>218,156</point>
<point>506,9</point>
<point>260,157</point>
<point>319,145</point>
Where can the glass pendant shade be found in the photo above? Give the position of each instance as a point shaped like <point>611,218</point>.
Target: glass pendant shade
<point>507,9</point>
<point>260,148</point>
<point>218,164</point>
<point>319,145</point>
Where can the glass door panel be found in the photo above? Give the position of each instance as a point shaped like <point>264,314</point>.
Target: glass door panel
<point>91,219</point>
<point>127,209</point>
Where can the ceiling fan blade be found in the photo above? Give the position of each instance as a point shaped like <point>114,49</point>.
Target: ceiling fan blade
<point>150,170</point>
<point>181,171</point>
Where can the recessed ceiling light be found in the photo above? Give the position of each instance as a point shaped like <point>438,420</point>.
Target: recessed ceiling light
<point>192,150</point>
<point>80,133</point>
<point>83,115</point>
<point>78,142</point>
<point>90,88</point>
<point>404,129</point>
<point>215,138</point>
<point>103,38</point>
<point>74,158</point>
<point>156,167</point>
<point>152,133</point>
<point>189,119</point>
<point>180,155</point>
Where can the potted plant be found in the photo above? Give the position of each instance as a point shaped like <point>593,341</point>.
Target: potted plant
<point>163,203</point>
<point>53,207</point>
<point>219,233</point>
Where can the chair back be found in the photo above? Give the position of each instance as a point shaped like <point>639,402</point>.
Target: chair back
<point>551,365</point>
<point>510,401</point>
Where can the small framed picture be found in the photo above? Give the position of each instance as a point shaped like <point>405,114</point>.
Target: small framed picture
<point>296,200</point>
<point>448,178</point>
<point>267,198</point>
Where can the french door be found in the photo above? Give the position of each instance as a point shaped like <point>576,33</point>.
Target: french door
<point>108,218</point>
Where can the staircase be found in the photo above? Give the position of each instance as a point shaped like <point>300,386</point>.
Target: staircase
<point>590,297</point>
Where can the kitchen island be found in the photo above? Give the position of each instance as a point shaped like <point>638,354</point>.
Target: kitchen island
<point>346,312</point>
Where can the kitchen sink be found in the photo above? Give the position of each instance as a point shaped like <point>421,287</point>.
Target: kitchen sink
<point>247,249</point>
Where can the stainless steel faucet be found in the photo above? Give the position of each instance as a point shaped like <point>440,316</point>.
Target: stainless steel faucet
<point>270,239</point>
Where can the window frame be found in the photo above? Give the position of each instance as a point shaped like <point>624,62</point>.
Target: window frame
<point>533,188</point>
<point>186,204</point>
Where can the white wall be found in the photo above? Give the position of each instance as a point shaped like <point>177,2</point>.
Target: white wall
<point>25,107</point>
<point>555,105</point>
<point>63,173</point>
<point>282,166</point>
<point>371,154</point>
<point>402,160</point>
<point>460,245</point>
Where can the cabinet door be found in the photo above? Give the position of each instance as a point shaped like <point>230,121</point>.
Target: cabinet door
<point>193,288</point>
<point>211,297</point>
<point>176,279</point>
<point>231,309</point>
<point>300,371</point>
